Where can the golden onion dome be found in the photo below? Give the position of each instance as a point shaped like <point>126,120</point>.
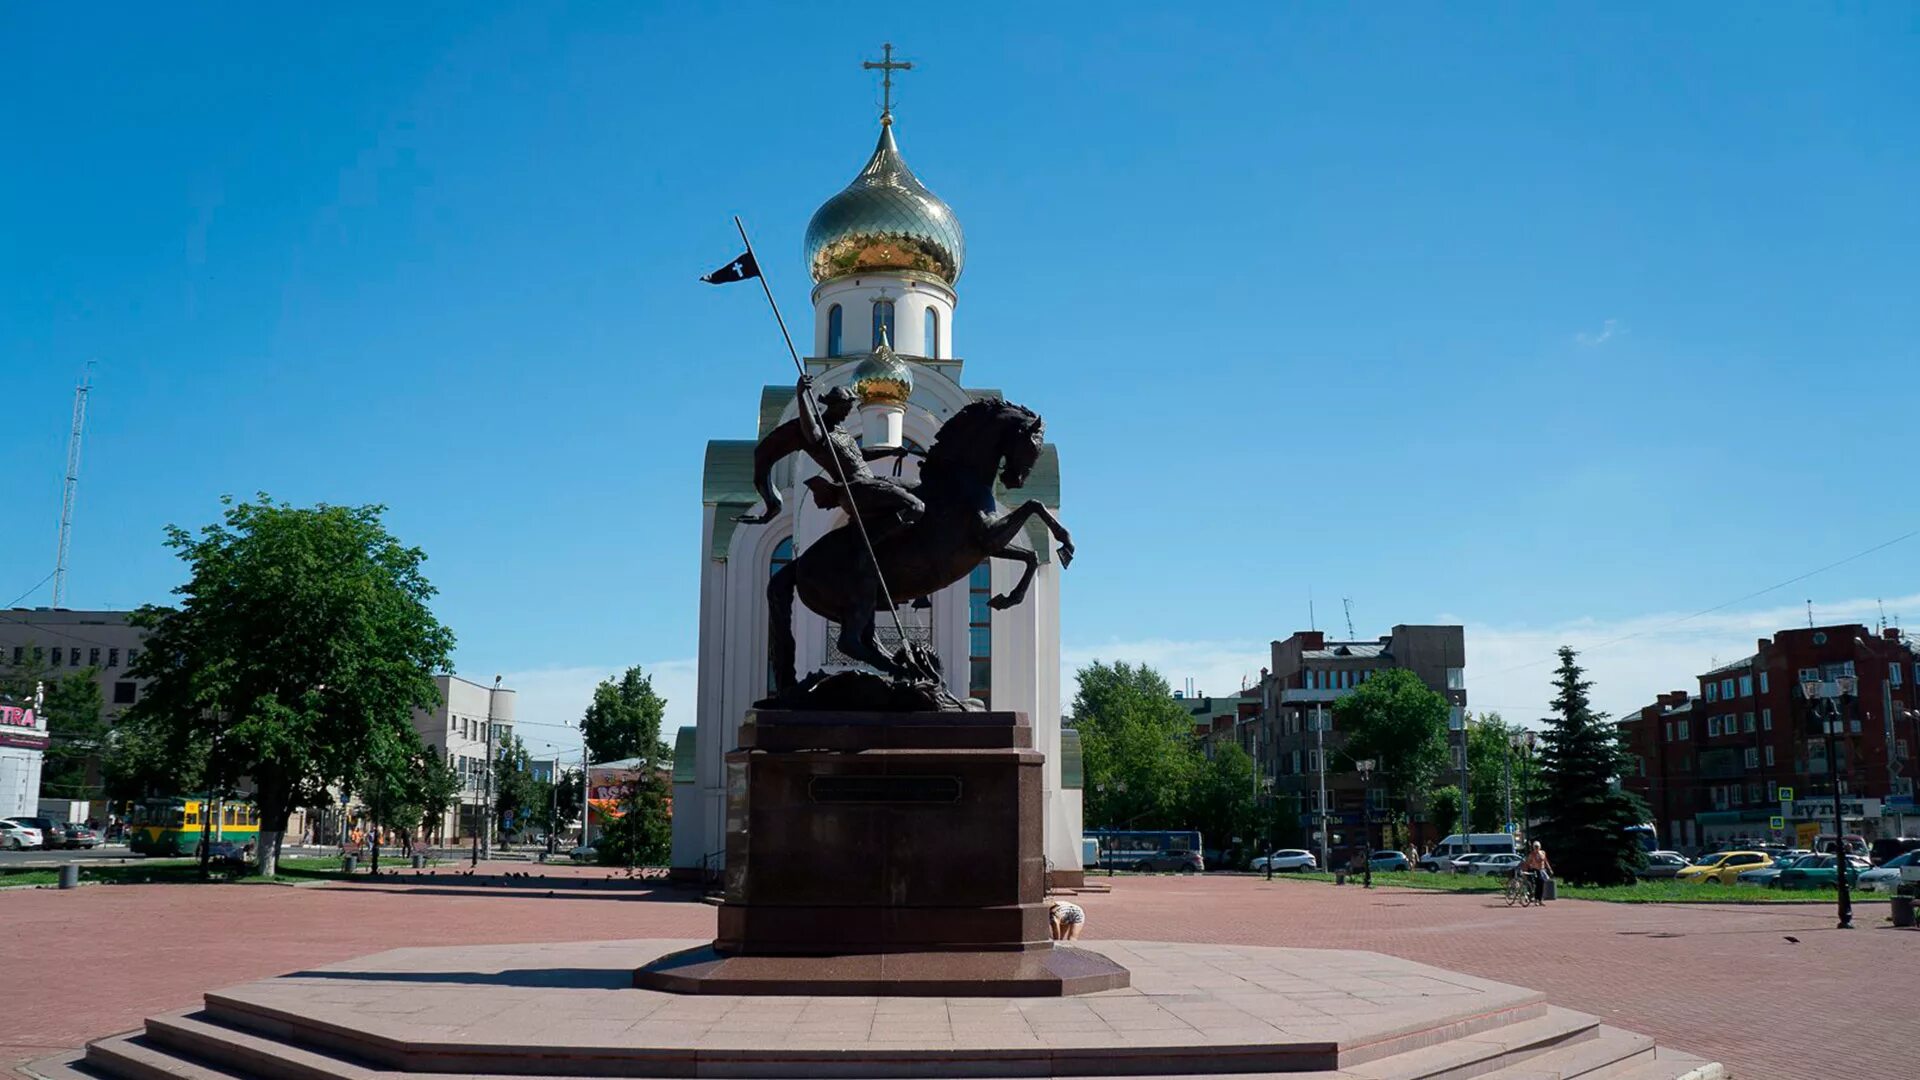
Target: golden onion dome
<point>885,220</point>
<point>882,378</point>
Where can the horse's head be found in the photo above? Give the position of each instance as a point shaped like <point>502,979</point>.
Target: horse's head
<point>987,435</point>
<point>1020,446</point>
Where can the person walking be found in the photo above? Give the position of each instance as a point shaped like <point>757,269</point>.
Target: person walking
<point>1541,868</point>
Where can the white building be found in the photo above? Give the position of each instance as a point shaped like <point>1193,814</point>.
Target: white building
<point>457,730</point>
<point>23,743</point>
<point>884,255</point>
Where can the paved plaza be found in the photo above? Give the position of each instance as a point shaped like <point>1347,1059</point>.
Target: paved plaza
<point>1719,981</point>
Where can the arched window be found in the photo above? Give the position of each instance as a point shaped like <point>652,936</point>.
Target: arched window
<point>882,322</point>
<point>980,634</point>
<point>782,555</point>
<point>833,330</point>
<point>930,333</point>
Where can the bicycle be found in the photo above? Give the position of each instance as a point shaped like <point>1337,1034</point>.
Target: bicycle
<point>1519,888</point>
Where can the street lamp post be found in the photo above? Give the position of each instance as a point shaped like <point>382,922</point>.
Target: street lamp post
<point>1320,760</point>
<point>1519,740</point>
<point>1119,787</point>
<point>1266,794</point>
<point>1831,714</point>
<point>1365,765</point>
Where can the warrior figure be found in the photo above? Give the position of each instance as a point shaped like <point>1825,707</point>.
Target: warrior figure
<point>885,505</point>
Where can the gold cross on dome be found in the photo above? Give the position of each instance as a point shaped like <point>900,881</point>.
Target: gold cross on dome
<point>887,66</point>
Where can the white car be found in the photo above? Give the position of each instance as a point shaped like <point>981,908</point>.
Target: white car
<point>1290,859</point>
<point>1465,863</point>
<point>15,836</point>
<point>1495,865</point>
<point>1884,877</point>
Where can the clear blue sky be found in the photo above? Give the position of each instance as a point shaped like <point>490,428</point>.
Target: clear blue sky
<point>1532,316</point>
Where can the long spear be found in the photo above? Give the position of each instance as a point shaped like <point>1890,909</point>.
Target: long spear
<point>808,402</point>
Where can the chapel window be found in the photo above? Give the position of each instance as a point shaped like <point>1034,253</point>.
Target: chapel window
<point>834,318</point>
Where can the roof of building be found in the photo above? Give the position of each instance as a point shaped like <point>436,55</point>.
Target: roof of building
<point>1348,650</point>
<point>886,219</point>
<point>1737,665</point>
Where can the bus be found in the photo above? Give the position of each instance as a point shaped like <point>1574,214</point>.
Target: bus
<point>1646,836</point>
<point>1121,848</point>
<point>174,825</point>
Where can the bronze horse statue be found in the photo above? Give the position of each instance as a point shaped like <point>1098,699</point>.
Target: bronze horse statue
<point>956,531</point>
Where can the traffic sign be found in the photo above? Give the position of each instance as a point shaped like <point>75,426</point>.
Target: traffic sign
<point>1776,823</point>
<point>1786,794</point>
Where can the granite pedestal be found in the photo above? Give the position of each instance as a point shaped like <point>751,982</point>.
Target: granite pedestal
<point>884,853</point>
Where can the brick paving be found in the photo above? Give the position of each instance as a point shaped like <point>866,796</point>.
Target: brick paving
<point>1721,981</point>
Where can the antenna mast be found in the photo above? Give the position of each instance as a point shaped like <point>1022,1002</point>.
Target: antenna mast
<point>72,484</point>
<point>1347,602</point>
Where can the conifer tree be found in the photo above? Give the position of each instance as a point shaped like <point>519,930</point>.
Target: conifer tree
<point>1585,816</point>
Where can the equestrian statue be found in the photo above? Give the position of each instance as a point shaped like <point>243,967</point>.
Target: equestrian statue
<point>903,542</point>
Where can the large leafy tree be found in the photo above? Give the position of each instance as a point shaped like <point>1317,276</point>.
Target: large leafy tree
<point>1585,815</point>
<point>1395,720</point>
<point>520,798</point>
<point>301,640</point>
<point>1489,754</point>
<point>77,736</point>
<point>1136,744</point>
<point>1224,802</point>
<point>623,720</point>
<point>643,834</point>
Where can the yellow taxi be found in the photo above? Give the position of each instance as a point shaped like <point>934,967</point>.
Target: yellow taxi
<point>1723,867</point>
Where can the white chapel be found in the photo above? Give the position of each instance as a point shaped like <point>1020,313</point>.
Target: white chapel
<point>885,255</point>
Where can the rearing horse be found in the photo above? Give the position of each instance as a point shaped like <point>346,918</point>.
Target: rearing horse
<point>957,532</point>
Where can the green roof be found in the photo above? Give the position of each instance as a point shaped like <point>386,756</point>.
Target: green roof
<point>728,476</point>
<point>773,401</point>
<point>684,744</point>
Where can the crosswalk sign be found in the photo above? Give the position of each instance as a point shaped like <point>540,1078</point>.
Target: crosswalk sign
<point>1776,823</point>
<point>1786,794</point>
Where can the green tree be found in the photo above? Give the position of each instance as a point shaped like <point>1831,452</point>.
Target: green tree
<point>1585,816</point>
<point>562,807</point>
<point>643,835</point>
<point>1136,745</point>
<point>302,637</point>
<point>1401,725</point>
<point>1443,809</point>
<point>1224,803</point>
<point>439,786</point>
<point>76,734</point>
<point>145,758</point>
<point>520,798</point>
<point>623,720</point>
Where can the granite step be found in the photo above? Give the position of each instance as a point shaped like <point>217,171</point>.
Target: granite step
<point>1666,1065</point>
<point>193,1034</point>
<point>1480,1053</point>
<point>131,1057</point>
<point>1609,1048</point>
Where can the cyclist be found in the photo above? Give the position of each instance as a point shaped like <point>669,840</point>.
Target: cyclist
<point>1538,868</point>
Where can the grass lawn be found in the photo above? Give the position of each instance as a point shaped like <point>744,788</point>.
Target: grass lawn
<point>170,872</point>
<point>1645,892</point>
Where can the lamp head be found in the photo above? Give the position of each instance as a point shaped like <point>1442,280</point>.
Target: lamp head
<point>1811,688</point>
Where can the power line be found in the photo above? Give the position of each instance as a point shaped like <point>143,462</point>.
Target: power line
<point>35,588</point>
<point>1716,607</point>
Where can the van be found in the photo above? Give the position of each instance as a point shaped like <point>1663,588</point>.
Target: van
<point>1454,845</point>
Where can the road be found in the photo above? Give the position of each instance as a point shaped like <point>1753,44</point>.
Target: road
<point>104,855</point>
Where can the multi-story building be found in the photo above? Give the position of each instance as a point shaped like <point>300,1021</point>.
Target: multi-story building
<point>1664,780</point>
<point>457,730</point>
<point>1712,766</point>
<point>1219,720</point>
<point>1295,725</point>
<point>41,644</point>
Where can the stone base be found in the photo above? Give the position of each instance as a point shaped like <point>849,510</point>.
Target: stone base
<point>1053,972</point>
<point>571,1010</point>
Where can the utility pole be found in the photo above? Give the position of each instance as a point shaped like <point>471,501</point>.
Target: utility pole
<point>486,843</point>
<point>1320,753</point>
<point>553,817</point>
<point>72,485</point>
<point>586,789</point>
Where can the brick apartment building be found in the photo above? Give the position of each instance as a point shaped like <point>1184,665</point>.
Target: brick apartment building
<point>1308,675</point>
<point>1711,763</point>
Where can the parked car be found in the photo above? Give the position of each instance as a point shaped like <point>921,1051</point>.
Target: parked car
<point>1661,865</point>
<point>1454,845</point>
<point>1820,872</point>
<point>1765,875</point>
<point>17,837</point>
<point>1888,848</point>
<point>1496,866</point>
<point>1183,861</point>
<point>1885,876</point>
<point>1384,861</point>
<point>1722,868</point>
<point>1292,860</point>
<point>587,853</point>
<point>1464,864</point>
<point>79,836</point>
<point>53,834</point>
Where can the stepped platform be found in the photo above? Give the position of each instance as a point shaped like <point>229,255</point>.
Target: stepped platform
<point>572,1010</point>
